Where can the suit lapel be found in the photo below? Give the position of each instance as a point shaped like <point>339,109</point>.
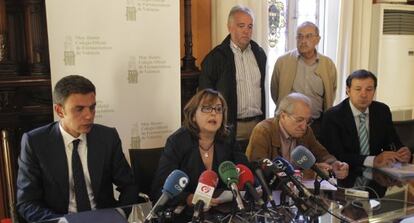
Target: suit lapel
<point>219,153</point>
<point>375,128</point>
<point>276,143</point>
<point>96,154</point>
<point>58,161</point>
<point>350,125</point>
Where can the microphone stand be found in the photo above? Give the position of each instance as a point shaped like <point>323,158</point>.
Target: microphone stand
<point>199,217</point>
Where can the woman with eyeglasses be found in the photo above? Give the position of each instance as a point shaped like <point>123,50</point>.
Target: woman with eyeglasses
<point>202,143</point>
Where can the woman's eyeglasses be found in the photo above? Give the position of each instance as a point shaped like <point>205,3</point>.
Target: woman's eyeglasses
<point>209,109</point>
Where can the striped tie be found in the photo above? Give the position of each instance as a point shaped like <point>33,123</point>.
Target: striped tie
<point>363,135</point>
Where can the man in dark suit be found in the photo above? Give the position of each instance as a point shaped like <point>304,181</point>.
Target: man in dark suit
<point>58,174</point>
<point>360,131</point>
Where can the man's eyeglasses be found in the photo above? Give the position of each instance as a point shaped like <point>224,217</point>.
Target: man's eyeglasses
<point>209,109</point>
<point>306,37</point>
<point>301,120</point>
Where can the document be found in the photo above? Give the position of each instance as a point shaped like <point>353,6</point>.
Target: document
<point>399,170</point>
<point>325,185</point>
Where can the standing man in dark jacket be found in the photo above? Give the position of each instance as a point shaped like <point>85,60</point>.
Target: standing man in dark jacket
<point>236,68</point>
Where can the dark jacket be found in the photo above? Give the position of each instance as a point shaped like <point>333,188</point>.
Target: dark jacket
<point>339,133</point>
<point>181,152</point>
<point>43,182</point>
<point>218,71</point>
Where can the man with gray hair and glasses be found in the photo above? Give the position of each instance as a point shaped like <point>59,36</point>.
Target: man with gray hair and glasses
<point>237,68</point>
<point>307,71</point>
<point>278,136</point>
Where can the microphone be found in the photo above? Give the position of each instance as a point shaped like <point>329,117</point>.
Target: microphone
<point>228,174</point>
<point>246,180</point>
<point>269,166</point>
<point>256,165</point>
<point>207,182</point>
<point>289,170</point>
<point>174,185</point>
<point>304,158</point>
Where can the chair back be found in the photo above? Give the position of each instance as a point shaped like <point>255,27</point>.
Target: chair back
<point>405,130</point>
<point>144,163</point>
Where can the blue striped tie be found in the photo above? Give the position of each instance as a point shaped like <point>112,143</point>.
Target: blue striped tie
<point>363,135</point>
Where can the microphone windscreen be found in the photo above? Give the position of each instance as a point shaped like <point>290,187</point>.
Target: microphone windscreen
<point>208,177</point>
<point>228,173</point>
<point>302,157</point>
<point>175,183</point>
<point>245,175</point>
<point>284,165</point>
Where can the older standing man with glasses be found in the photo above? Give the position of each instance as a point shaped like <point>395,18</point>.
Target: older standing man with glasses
<point>306,71</point>
<point>278,136</point>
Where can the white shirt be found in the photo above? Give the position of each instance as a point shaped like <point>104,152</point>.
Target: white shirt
<point>310,84</point>
<point>369,160</point>
<point>249,100</point>
<point>83,154</point>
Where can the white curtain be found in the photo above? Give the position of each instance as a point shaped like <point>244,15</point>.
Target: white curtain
<point>353,40</point>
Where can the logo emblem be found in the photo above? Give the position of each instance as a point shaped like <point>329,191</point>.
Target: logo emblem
<point>205,189</point>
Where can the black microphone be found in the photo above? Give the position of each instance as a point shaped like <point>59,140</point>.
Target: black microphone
<point>304,158</point>
<point>198,212</point>
<point>271,167</point>
<point>256,165</point>
<point>174,185</point>
<point>289,170</point>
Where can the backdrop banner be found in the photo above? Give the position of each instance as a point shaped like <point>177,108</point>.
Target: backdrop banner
<point>130,50</point>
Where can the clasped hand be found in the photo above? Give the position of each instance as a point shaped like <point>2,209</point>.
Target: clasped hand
<point>341,169</point>
<point>388,158</point>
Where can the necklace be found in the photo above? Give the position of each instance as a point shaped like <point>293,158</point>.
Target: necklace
<point>206,150</point>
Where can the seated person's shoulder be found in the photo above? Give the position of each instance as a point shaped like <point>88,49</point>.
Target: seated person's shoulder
<point>266,124</point>
<point>379,105</point>
<point>181,139</point>
<point>41,130</point>
<point>102,129</point>
<point>180,134</point>
<point>287,56</point>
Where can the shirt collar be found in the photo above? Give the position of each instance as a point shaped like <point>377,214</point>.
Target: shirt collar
<point>68,138</point>
<point>355,111</point>
<point>285,135</point>
<point>298,56</point>
<point>234,47</point>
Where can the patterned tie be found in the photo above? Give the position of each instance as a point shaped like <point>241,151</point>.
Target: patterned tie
<point>81,194</point>
<point>363,134</point>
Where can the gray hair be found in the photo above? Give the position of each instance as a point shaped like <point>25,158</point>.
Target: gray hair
<point>288,103</point>
<point>308,24</point>
<point>239,8</point>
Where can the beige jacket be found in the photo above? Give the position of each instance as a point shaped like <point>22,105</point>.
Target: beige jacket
<point>284,74</point>
<point>265,143</point>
